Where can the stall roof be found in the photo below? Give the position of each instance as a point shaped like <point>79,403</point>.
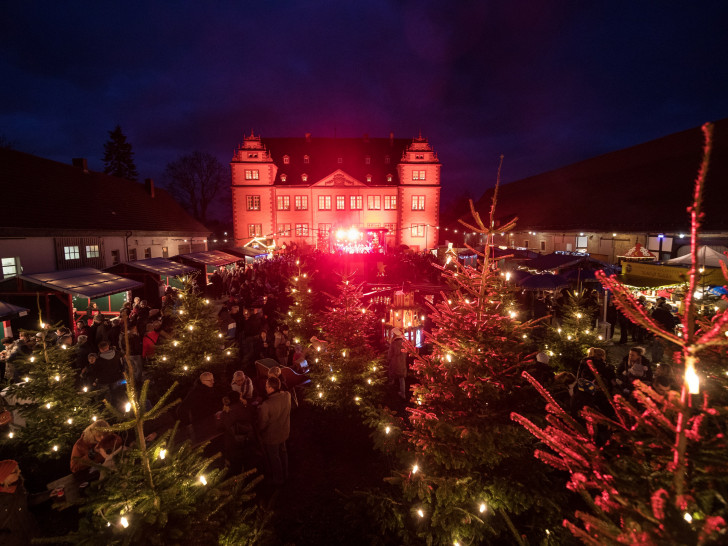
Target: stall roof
<point>8,310</point>
<point>211,257</point>
<point>86,282</point>
<point>559,260</point>
<point>637,281</point>
<point>161,266</point>
<point>244,251</point>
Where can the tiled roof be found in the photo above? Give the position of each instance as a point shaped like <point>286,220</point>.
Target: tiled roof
<point>40,193</point>
<point>643,188</point>
<point>324,154</point>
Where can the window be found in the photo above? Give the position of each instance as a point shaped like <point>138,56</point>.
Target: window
<point>374,202</point>
<point>255,230</point>
<point>283,178</point>
<point>147,253</point>
<point>386,160</point>
<point>374,225</point>
<point>286,160</point>
<point>543,245</point>
<point>324,202</point>
<point>392,228</point>
<point>390,202</point>
<point>418,230</point>
<point>284,202</point>
<point>165,252</point>
<point>301,230</point>
<point>301,202</point>
<point>419,156</point>
<point>356,202</point>
<point>418,175</point>
<point>324,230</point>
<point>369,178</point>
<point>525,244</point>
<point>252,155</point>
<point>418,202</point>
<point>10,267</point>
<point>304,177</point>
<point>132,255</point>
<point>116,257</point>
<point>389,178</point>
<point>340,160</point>
<point>367,160</point>
<point>284,230</point>
<point>253,202</point>
<point>340,202</point>
<point>71,253</point>
<point>581,242</point>
<point>251,174</point>
<point>305,159</point>
<point>92,251</point>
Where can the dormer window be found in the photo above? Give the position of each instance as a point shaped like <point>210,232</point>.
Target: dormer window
<point>369,178</point>
<point>419,156</point>
<point>286,160</point>
<point>367,160</point>
<point>252,155</point>
<point>340,161</point>
<point>304,177</point>
<point>386,160</point>
<point>305,159</point>
<point>389,178</point>
<point>283,177</point>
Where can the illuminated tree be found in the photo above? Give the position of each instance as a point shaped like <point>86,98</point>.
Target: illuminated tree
<point>119,157</point>
<point>54,410</point>
<point>301,316</point>
<point>661,476</point>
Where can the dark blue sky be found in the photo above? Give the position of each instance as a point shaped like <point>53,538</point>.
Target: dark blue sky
<point>545,83</point>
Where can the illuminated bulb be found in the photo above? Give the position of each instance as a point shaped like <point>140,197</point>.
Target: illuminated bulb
<point>85,389</point>
<point>208,358</point>
<point>124,522</point>
<point>127,407</point>
<point>57,378</point>
<point>48,405</point>
<point>387,430</point>
<point>578,315</point>
<point>295,340</point>
<point>32,359</point>
<point>203,480</point>
<point>298,319</point>
<point>524,336</point>
<point>448,357</point>
<point>374,368</point>
<point>27,379</point>
<point>369,381</point>
<point>219,335</point>
<point>304,275</point>
<point>108,524</point>
<point>55,448</point>
<point>190,327</point>
<point>164,358</point>
<point>420,513</point>
<point>687,517</point>
<point>568,337</point>
<point>207,302</point>
<point>691,378</point>
<point>384,321</point>
<point>69,421</point>
<point>559,330</point>
<point>333,378</point>
<point>449,302</point>
<point>162,454</point>
<point>422,318</point>
<point>318,348</point>
<point>181,311</point>
<point>343,353</point>
<point>508,276</point>
<point>356,399</point>
<point>586,331</point>
<point>513,314</point>
<point>227,353</point>
<point>317,361</point>
<point>415,469</point>
<point>482,507</point>
<point>363,311</point>
<point>185,368</point>
<point>93,418</point>
<point>601,338</point>
<point>309,290</point>
<point>321,395</point>
<point>63,346</point>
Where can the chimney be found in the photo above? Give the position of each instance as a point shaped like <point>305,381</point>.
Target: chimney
<point>149,186</point>
<point>391,138</point>
<point>308,137</point>
<point>80,163</point>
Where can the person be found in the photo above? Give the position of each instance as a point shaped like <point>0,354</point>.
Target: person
<point>242,385</point>
<point>96,445</point>
<point>397,361</point>
<point>540,370</point>
<point>274,423</point>
<point>200,405</point>
<point>263,347</point>
<point>598,358</point>
<point>8,357</point>
<point>16,524</point>
<point>662,314</point>
<point>634,366</point>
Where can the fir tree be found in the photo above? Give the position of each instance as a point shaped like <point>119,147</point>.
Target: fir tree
<point>661,476</point>
<point>119,157</point>
<point>54,410</point>
<point>301,313</point>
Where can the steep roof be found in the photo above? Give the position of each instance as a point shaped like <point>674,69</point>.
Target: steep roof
<point>643,188</point>
<point>324,153</point>
<point>40,193</point>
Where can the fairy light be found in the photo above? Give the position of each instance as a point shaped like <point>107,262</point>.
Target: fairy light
<point>579,315</point>
<point>387,430</point>
<point>32,359</point>
<point>11,435</point>
<point>448,356</point>
<point>48,405</point>
<point>85,389</point>
<point>127,407</point>
<point>57,378</point>
<point>207,302</point>
<point>320,394</point>
<point>420,512</point>
<point>482,507</point>
<point>203,480</point>
<point>164,358</point>
<point>356,399</point>
<point>93,418</point>
<point>190,327</point>
<point>687,517</point>
<point>227,353</point>
<point>124,522</point>
<point>369,381</point>
<point>512,314</point>
<point>208,358</point>
<point>69,421</point>
<point>691,378</point>
<point>333,379</point>
<point>27,379</point>
<point>162,453</point>
<point>219,335</point>
<point>55,448</point>
<point>185,368</point>
<point>415,468</point>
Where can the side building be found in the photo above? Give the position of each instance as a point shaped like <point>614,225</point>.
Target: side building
<point>303,190</point>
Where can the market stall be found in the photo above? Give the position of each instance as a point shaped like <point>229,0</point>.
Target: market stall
<point>207,262</point>
<point>156,274</point>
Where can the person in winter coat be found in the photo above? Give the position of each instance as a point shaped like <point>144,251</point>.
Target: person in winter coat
<point>16,524</point>
<point>274,423</point>
<point>397,361</point>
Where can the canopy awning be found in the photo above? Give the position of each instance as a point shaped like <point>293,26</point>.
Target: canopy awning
<point>8,311</point>
<point>86,282</point>
<point>636,281</point>
<point>247,251</point>
<point>210,257</point>
<point>161,266</point>
<point>707,257</point>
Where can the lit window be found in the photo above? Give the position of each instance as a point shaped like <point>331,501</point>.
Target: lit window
<point>340,202</point>
<point>284,202</point>
<point>10,267</point>
<point>391,229</point>
<point>418,230</point>
<point>92,251</point>
<point>301,230</point>
<point>132,255</point>
<point>286,159</point>
<point>71,253</point>
<point>582,242</point>
<point>301,202</point>
<point>418,202</point>
<point>253,202</point>
<point>389,178</point>
<point>284,230</point>
<point>255,230</point>
<point>390,202</point>
<point>304,177</point>
<point>283,178</point>
<point>305,159</point>
<point>324,202</point>
<point>251,174</point>
<point>418,175</point>
<point>356,202</point>
<point>324,230</point>
<point>374,202</point>
<point>369,178</point>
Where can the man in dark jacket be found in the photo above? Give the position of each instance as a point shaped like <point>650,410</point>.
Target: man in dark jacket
<point>274,422</point>
<point>202,402</point>
<point>662,314</point>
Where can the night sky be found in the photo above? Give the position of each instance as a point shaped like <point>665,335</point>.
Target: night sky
<point>545,83</point>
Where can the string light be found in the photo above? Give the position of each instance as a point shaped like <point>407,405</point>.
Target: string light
<point>48,405</point>
<point>691,378</point>
<point>203,480</point>
<point>687,517</point>
<point>415,468</point>
<point>11,434</point>
<point>420,512</point>
<point>124,522</point>
<point>387,430</point>
<point>162,453</point>
<point>127,408</point>
<point>482,507</point>
<point>55,448</point>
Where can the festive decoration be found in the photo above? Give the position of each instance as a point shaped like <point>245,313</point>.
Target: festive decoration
<point>301,312</point>
<point>656,471</point>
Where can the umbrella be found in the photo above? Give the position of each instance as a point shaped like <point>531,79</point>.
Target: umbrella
<point>8,311</point>
<point>546,281</point>
<point>580,275</point>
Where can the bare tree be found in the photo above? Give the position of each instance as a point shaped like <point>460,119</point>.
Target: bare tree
<point>195,180</point>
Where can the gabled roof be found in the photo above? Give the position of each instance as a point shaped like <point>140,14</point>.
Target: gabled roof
<point>643,188</point>
<point>40,193</point>
<point>324,153</point>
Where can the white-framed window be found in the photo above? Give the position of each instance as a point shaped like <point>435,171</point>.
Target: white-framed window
<point>286,160</point>
<point>418,175</point>
<point>324,202</point>
<point>252,174</point>
<point>369,178</point>
<point>356,202</point>
<point>418,202</point>
<point>300,202</point>
<point>284,202</point>
<point>324,230</point>
<point>304,177</point>
<point>132,254</point>
<point>390,202</point>
<point>301,230</point>
<point>389,178</point>
<point>417,230</point>
<point>10,267</point>
<point>255,230</point>
<point>340,202</point>
<point>392,228</point>
<point>374,202</point>
<point>284,177</point>
<point>92,251</point>
<point>252,202</point>
<point>284,230</point>
<point>71,253</point>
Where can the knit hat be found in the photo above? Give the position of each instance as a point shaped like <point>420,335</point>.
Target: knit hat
<point>542,357</point>
<point>6,468</point>
<point>396,332</point>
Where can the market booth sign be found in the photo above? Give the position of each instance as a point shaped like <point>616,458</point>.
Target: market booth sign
<point>670,274</point>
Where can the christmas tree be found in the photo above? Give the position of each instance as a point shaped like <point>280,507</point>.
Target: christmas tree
<point>467,478</point>
<point>301,313</point>
<point>346,370</point>
<point>118,156</point>
<point>194,344</point>
<point>660,474</point>
<point>53,409</point>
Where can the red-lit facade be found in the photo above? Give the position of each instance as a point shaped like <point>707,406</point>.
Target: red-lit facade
<point>301,189</point>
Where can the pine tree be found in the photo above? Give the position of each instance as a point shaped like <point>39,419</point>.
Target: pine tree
<point>661,476</point>
<point>467,477</point>
<point>54,410</point>
<point>195,343</point>
<point>301,313</point>
<point>119,157</point>
<point>346,370</point>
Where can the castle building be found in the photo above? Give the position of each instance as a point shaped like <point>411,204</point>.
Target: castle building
<point>306,190</point>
